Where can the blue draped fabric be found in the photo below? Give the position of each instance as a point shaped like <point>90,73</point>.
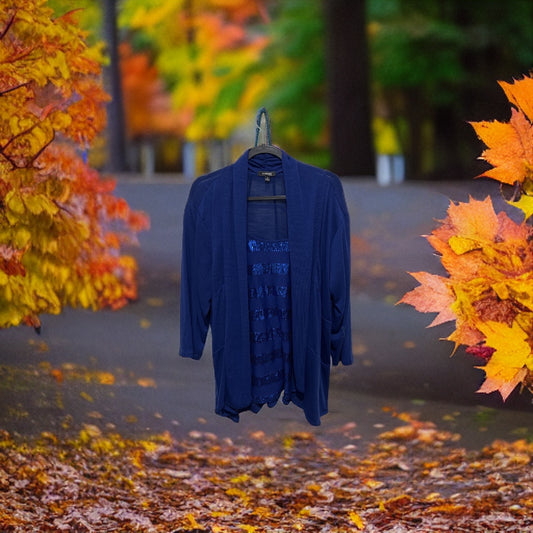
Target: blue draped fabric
<point>224,237</point>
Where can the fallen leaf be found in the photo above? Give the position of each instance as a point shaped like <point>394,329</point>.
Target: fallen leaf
<point>57,374</point>
<point>357,520</point>
<point>87,397</point>
<point>105,378</point>
<point>155,302</point>
<point>147,382</point>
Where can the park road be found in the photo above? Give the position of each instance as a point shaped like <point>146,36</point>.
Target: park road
<point>121,371</point>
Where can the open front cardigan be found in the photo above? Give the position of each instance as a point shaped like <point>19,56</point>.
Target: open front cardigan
<point>214,286</point>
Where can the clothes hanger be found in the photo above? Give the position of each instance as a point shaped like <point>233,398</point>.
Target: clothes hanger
<point>265,148</point>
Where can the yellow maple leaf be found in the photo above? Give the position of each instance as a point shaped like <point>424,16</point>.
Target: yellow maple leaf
<point>357,520</point>
<point>38,203</point>
<point>193,524</point>
<point>239,493</point>
<point>86,396</point>
<point>147,382</point>
<point>105,378</point>
<point>247,528</point>
<point>525,204</point>
<point>509,364</point>
<point>462,245</point>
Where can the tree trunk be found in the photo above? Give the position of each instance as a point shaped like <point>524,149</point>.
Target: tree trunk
<point>352,148</point>
<point>116,142</point>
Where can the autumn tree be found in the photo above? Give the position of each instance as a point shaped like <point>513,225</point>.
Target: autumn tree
<point>203,50</point>
<point>489,257</point>
<point>61,227</point>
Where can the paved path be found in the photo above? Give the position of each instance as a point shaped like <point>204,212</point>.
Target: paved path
<point>399,364</point>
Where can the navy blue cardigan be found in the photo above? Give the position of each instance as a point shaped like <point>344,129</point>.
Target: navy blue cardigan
<point>214,288</point>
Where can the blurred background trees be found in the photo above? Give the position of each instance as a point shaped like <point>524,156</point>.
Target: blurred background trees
<point>341,79</point>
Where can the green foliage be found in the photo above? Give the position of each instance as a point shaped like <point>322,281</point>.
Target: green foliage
<point>414,48</point>
<point>433,63</point>
<point>89,15</point>
<point>422,43</point>
<point>295,66</point>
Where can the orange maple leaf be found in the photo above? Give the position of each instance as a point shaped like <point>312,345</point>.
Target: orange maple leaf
<point>510,148</point>
<point>474,219</point>
<point>520,93</point>
<point>510,144</point>
<point>433,295</point>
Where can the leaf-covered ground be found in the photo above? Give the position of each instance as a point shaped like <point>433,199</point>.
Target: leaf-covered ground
<point>414,478</point>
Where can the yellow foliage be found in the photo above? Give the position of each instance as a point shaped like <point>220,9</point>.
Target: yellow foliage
<point>525,204</point>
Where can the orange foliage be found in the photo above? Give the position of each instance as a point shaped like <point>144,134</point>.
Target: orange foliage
<point>510,147</point>
<point>148,107</point>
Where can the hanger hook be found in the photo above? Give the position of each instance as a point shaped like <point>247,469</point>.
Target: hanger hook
<point>260,114</point>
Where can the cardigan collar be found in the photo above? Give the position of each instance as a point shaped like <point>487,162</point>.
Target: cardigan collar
<point>300,246</point>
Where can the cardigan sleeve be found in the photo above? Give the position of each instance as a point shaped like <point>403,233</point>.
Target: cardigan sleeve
<point>339,284</point>
<point>195,298</point>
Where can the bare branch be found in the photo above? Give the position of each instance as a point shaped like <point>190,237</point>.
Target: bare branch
<point>8,25</point>
<point>11,89</point>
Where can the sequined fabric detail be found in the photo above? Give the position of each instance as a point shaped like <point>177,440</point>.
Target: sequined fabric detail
<point>259,269</point>
<point>270,319</point>
<point>260,313</point>
<point>270,378</point>
<point>268,246</point>
<point>265,358</point>
<point>270,290</point>
<point>271,334</point>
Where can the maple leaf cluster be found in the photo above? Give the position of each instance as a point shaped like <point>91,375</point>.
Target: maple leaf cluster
<point>61,227</point>
<point>412,478</point>
<point>489,258</point>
